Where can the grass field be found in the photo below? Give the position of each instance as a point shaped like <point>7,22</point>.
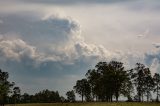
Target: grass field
<point>90,104</point>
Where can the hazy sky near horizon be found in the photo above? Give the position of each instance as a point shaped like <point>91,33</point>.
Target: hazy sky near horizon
<point>52,43</point>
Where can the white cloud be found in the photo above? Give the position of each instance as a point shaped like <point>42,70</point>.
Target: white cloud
<point>15,49</point>
<point>145,34</point>
<point>155,66</point>
<point>156,45</point>
<point>152,59</point>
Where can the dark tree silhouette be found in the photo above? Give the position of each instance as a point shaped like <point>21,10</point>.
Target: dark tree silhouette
<point>148,83</point>
<point>120,77</point>
<point>5,86</point>
<point>93,77</point>
<point>44,96</point>
<point>16,94</point>
<point>47,96</point>
<point>25,98</point>
<point>139,78</point>
<point>83,88</point>
<point>156,79</point>
<point>128,88</point>
<point>108,80</point>
<point>71,96</point>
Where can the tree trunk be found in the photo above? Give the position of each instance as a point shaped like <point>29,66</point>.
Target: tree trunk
<point>142,97</point>
<point>116,98</point>
<point>82,97</point>
<point>111,98</point>
<point>157,94</point>
<point>147,96</point>
<point>139,96</point>
<point>117,95</point>
<point>96,98</point>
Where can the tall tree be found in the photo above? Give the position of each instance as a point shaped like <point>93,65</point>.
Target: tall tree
<point>139,78</point>
<point>128,88</point>
<point>82,87</point>
<point>5,86</point>
<point>93,77</point>
<point>156,79</point>
<point>120,77</point>
<point>105,81</point>
<point>25,98</point>
<point>16,94</point>
<point>71,96</point>
<point>108,79</point>
<point>47,96</point>
<point>148,83</point>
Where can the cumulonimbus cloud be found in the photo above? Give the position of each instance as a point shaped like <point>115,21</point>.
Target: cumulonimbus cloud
<point>47,43</point>
<point>34,49</point>
<point>46,47</point>
<point>51,43</point>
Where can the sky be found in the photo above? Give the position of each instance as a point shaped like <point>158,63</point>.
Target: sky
<point>49,44</point>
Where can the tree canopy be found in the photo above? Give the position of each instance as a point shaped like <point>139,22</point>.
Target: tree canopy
<point>110,80</point>
<point>107,81</point>
<point>5,86</point>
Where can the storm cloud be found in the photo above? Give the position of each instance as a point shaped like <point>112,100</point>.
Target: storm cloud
<point>57,41</point>
<point>45,47</point>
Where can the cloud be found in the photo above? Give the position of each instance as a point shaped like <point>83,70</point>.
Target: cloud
<point>155,67</point>
<point>71,2</point>
<point>156,45</point>
<point>84,49</point>
<point>52,30</point>
<point>16,49</point>
<point>152,59</point>
<point>47,48</point>
<point>145,34</point>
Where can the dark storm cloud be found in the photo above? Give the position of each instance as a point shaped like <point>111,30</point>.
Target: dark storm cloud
<point>71,2</point>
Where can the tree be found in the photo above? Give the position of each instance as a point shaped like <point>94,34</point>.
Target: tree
<point>25,98</point>
<point>16,94</point>
<point>71,96</point>
<point>128,88</point>
<point>82,87</point>
<point>138,77</point>
<point>93,77</point>
<point>156,79</point>
<point>5,86</point>
<point>62,99</point>
<point>120,77</point>
<point>109,79</point>
<point>148,83</point>
<point>141,77</point>
<point>47,96</point>
<point>104,82</point>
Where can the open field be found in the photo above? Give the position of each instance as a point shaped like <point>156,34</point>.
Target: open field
<point>89,104</point>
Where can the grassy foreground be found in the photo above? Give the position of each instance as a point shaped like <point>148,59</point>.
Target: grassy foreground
<point>89,104</point>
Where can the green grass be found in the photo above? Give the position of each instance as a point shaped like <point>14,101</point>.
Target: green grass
<point>90,104</point>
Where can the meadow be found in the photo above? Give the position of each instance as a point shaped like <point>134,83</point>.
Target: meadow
<point>90,104</point>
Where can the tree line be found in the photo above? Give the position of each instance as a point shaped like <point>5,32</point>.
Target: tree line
<point>110,80</point>
<point>105,83</point>
<point>11,94</point>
